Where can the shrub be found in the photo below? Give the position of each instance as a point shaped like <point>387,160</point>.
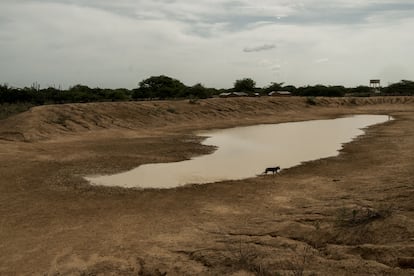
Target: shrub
<point>311,100</point>
<point>358,216</point>
<point>171,110</point>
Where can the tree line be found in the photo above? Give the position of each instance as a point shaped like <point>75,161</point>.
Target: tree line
<point>164,87</point>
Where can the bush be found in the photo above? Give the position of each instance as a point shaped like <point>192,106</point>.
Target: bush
<point>311,100</point>
<point>171,110</point>
<point>358,216</point>
<point>7,110</point>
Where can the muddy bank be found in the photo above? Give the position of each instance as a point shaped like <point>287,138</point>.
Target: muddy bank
<point>351,214</point>
<point>53,121</point>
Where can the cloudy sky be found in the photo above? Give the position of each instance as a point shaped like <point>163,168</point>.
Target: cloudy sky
<point>109,43</point>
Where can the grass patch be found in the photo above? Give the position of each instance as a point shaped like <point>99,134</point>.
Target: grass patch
<point>245,257</point>
<point>171,110</point>
<point>7,110</point>
<point>347,217</point>
<point>353,101</point>
<point>300,261</point>
<point>193,101</point>
<point>311,101</point>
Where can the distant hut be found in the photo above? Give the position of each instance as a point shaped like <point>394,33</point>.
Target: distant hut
<point>233,94</point>
<point>240,94</point>
<point>280,93</point>
<point>224,95</point>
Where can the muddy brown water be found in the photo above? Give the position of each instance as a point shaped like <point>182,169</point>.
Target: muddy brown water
<point>244,152</point>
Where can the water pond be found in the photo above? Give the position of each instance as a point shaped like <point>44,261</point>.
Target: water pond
<point>244,152</point>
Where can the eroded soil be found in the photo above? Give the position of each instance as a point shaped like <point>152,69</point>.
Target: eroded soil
<point>351,214</point>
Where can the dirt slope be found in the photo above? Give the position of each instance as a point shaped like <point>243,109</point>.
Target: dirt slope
<point>51,121</point>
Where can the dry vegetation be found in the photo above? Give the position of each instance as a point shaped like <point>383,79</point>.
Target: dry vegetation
<point>351,214</point>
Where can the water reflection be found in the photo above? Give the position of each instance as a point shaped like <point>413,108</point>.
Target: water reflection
<point>244,152</point>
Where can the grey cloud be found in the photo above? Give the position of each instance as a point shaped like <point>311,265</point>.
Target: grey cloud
<point>239,15</point>
<point>276,67</point>
<point>321,60</point>
<point>336,14</point>
<point>260,48</point>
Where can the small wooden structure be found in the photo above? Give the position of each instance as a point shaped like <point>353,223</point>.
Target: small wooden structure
<point>375,85</point>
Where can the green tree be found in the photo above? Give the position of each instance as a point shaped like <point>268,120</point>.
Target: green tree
<point>404,87</point>
<point>321,90</point>
<point>82,93</point>
<point>198,91</point>
<point>361,91</point>
<point>290,88</point>
<point>245,85</point>
<point>274,86</point>
<point>159,87</point>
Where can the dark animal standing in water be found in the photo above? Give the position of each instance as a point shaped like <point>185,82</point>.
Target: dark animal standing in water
<point>272,170</point>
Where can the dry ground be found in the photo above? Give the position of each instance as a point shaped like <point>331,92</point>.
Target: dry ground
<point>346,215</point>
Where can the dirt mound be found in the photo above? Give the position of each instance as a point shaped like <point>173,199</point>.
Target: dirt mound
<point>46,122</point>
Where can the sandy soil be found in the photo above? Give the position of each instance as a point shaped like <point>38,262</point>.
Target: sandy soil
<point>350,215</point>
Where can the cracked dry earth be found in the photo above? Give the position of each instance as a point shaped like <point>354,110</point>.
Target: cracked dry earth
<point>347,215</point>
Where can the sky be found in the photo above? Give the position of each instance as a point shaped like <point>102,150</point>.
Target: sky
<point>112,44</point>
